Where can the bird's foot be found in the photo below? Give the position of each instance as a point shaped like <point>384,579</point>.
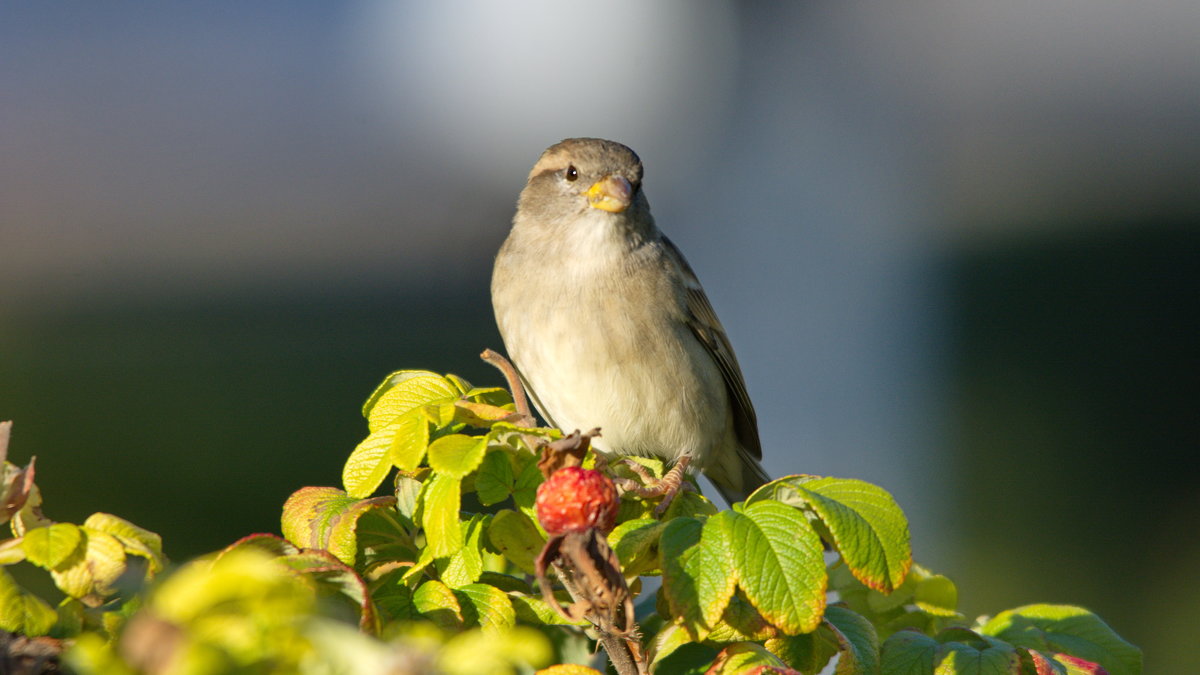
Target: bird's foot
<point>666,487</point>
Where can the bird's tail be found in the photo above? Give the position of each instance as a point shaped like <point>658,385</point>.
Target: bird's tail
<point>736,475</point>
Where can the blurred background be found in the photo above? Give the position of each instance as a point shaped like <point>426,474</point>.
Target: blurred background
<point>956,245</point>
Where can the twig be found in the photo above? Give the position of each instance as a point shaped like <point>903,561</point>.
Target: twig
<point>520,400</point>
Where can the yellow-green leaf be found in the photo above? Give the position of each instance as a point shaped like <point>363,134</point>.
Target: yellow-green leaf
<point>22,612</point>
<point>49,547</point>
<point>138,541</point>
<point>489,606</point>
<point>1067,629</point>
<point>94,567</point>
<point>867,526</point>
<point>515,535</point>
<point>456,454</point>
<point>780,565</point>
<point>403,391</point>
<point>439,516</point>
<point>326,518</point>
<point>400,443</point>
<point>436,602</point>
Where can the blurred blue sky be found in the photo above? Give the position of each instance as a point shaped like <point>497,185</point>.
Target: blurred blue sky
<point>818,162</point>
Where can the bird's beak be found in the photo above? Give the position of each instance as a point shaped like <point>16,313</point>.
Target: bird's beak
<point>611,193</point>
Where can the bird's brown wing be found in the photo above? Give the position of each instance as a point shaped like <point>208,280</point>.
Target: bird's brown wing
<point>708,329</point>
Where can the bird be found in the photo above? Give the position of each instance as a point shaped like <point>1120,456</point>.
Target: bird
<point>608,326</point>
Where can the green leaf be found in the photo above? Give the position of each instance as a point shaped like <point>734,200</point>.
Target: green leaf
<point>22,612</point>
<point>857,642</point>
<point>741,622</point>
<point>49,547</point>
<point>908,653</point>
<point>699,575</point>
<point>529,478</point>
<point>326,518</point>
<point>393,599</point>
<point>636,545</point>
<point>403,391</point>
<point>489,606</point>
<point>936,595</point>
<point>807,652</point>
<point>383,537</point>
<point>780,565</point>
<point>497,396</point>
<point>93,568</point>
<point>480,415</point>
<point>956,651</point>
<point>517,538</point>
<point>411,440</point>
<point>457,455</point>
<point>996,658</point>
<point>867,526</point>
<point>465,566</point>
<point>439,515</point>
<point>399,443</point>
<point>495,480</point>
<point>1066,629</point>
<point>436,602</point>
<point>744,657</point>
<point>334,577</point>
<point>138,541</point>
<point>535,611</point>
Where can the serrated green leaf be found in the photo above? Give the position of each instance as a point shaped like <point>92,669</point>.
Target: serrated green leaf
<point>403,391</point>
<point>529,478</point>
<point>138,541</point>
<point>400,443</point>
<point>857,641</point>
<point>1069,630</point>
<point>867,526</point>
<point>393,598</point>
<point>690,504</point>
<point>326,518</point>
<point>699,573</point>
<point>908,653</point>
<point>439,516</point>
<point>636,545</point>
<point>517,538</point>
<point>807,652</point>
<point>490,606</point>
<point>744,657</point>
<point>955,651</point>
<point>494,481</point>
<point>49,547</point>
<point>957,658</point>
<point>411,440</point>
<point>436,602</point>
<point>457,455</point>
<point>22,612</point>
<point>780,565</point>
<point>93,568</point>
<point>465,566</point>
<point>740,622</point>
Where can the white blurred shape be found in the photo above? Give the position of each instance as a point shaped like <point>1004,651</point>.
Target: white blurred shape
<point>481,83</point>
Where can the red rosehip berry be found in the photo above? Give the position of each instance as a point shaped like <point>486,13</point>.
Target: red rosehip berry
<point>576,499</point>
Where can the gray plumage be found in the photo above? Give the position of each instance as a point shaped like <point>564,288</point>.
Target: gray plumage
<point>609,327</point>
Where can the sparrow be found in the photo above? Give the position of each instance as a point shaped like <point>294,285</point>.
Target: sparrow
<point>609,327</point>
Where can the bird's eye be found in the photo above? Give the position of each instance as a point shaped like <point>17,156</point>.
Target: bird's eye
<point>571,173</point>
